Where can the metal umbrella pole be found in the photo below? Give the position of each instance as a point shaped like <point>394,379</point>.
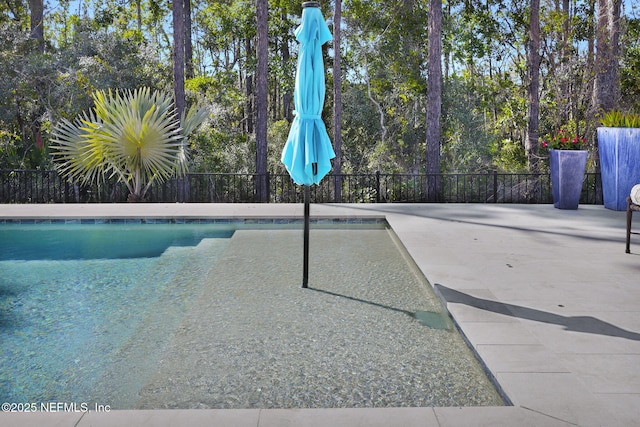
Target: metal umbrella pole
<point>305,251</point>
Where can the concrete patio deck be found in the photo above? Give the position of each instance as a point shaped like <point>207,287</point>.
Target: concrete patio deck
<point>547,298</point>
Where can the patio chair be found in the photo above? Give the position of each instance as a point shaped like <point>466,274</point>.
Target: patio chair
<point>630,208</point>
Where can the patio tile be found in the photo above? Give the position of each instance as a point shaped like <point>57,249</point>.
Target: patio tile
<point>625,406</point>
<point>495,417</point>
<point>557,395</point>
<point>58,419</point>
<point>474,305</point>
<point>465,313</point>
<point>373,417</point>
<point>171,418</point>
<point>520,358</point>
<point>593,337</point>
<point>607,373</point>
<point>483,333</point>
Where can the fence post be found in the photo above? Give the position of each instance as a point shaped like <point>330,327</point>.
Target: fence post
<point>377,186</point>
<point>495,186</point>
<point>268,186</point>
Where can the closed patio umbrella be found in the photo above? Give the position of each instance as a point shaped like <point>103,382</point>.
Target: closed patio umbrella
<point>308,152</point>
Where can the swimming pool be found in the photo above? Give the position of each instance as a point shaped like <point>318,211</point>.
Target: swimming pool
<point>72,295</point>
<point>212,315</point>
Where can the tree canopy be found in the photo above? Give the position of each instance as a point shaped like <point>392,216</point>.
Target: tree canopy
<point>54,56</point>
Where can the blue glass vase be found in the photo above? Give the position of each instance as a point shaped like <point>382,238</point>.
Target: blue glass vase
<point>567,174</point>
<point>619,150</point>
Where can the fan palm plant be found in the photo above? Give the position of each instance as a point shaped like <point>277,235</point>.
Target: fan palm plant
<point>133,135</point>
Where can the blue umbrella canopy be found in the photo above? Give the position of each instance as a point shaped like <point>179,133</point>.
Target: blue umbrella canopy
<point>308,152</point>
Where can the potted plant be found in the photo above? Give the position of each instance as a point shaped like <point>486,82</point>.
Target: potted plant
<point>619,150</point>
<point>567,163</point>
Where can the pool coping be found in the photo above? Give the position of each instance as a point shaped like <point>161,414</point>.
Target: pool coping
<point>315,220</point>
<point>553,396</point>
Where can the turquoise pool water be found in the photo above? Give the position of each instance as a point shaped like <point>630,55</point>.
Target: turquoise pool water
<point>212,315</point>
<point>27,242</point>
<point>74,297</point>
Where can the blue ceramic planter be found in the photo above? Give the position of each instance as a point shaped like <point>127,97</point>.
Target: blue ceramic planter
<point>567,174</point>
<point>619,150</point>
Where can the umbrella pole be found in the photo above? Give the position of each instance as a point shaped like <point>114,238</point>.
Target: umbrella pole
<point>305,267</point>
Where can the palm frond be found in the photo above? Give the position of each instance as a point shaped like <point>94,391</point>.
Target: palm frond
<point>134,135</point>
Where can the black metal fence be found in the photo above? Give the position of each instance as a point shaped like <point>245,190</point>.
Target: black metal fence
<point>38,186</point>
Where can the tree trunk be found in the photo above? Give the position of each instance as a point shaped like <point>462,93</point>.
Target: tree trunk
<point>337,102</point>
<point>607,75</point>
<point>249,91</point>
<point>262,49</point>
<point>591,43</point>
<point>188,43</point>
<point>434,101</point>
<point>178,55</point>
<point>139,15</point>
<point>37,22</point>
<point>37,33</point>
<point>178,78</point>
<point>531,145</point>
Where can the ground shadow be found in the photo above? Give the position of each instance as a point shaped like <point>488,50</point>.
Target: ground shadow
<point>585,324</point>
<point>430,319</point>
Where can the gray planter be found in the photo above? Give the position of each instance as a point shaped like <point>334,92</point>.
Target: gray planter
<point>567,174</point>
<point>619,150</point>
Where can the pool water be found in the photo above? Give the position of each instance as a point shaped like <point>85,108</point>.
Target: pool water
<point>72,297</point>
<point>214,316</point>
<point>100,241</point>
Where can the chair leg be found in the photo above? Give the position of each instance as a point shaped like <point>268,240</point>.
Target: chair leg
<point>629,213</point>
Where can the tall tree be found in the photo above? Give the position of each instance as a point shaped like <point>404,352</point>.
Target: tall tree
<point>188,42</point>
<point>249,88</point>
<point>531,145</point>
<point>262,48</point>
<point>178,55</point>
<point>434,100</point>
<point>385,52</point>
<point>37,32</point>
<point>178,76</point>
<point>607,74</point>
<point>337,100</point>
<point>37,22</point>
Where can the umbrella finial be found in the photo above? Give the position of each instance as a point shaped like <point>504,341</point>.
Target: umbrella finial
<point>310,4</point>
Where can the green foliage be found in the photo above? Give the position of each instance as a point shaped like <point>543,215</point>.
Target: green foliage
<point>133,135</point>
<point>9,149</point>
<point>466,138</point>
<point>277,135</point>
<point>509,156</point>
<point>618,119</point>
<point>27,76</point>
<point>384,48</point>
<point>38,88</point>
<point>630,65</point>
<point>220,151</point>
<point>360,134</point>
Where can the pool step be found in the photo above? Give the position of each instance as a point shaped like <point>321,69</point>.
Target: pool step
<point>181,271</point>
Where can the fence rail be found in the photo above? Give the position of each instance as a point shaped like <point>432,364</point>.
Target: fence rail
<point>38,186</point>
